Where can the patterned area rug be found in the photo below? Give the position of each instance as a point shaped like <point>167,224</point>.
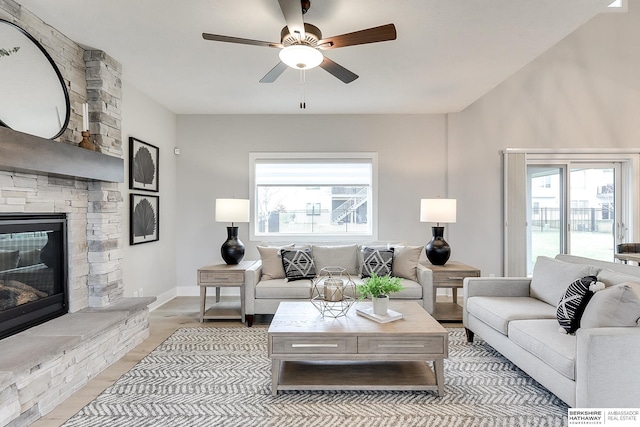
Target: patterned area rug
<point>221,377</point>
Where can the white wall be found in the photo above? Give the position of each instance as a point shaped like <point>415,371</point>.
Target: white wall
<point>215,164</point>
<point>151,266</point>
<point>582,93</point>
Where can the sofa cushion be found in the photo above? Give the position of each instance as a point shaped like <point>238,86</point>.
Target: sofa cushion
<point>336,256</point>
<point>573,303</point>
<point>297,264</point>
<point>541,338</point>
<point>405,262</point>
<point>379,261</point>
<point>411,290</point>
<point>618,305</point>
<point>551,277</point>
<point>611,278</point>
<point>497,312</point>
<point>272,262</point>
<point>283,289</point>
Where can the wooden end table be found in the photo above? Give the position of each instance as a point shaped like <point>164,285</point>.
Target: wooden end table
<point>222,276</point>
<point>311,352</point>
<point>451,275</point>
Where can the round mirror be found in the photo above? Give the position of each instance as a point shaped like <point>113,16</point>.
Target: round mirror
<point>34,97</point>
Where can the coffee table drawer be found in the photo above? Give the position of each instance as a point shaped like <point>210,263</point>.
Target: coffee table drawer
<point>337,345</point>
<point>396,345</point>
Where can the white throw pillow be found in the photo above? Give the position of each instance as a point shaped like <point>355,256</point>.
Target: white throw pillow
<point>405,261</point>
<point>618,305</point>
<point>551,278</point>
<point>272,262</point>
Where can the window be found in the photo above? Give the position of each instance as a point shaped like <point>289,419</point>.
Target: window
<point>324,195</point>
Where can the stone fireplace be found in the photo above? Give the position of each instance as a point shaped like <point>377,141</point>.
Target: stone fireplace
<point>44,364</point>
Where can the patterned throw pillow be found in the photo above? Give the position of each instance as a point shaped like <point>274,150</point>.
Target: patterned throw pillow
<point>574,301</point>
<point>379,261</point>
<point>298,264</point>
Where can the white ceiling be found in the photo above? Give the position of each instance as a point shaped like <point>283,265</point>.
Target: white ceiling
<point>448,53</point>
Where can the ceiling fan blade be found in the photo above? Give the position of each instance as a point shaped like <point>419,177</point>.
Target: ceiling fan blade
<point>370,35</point>
<point>292,12</point>
<point>275,72</point>
<point>229,39</point>
<point>338,70</point>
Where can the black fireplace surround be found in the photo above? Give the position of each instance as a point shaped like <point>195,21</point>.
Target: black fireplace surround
<point>33,270</point>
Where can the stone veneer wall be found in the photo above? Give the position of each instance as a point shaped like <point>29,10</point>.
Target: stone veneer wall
<point>42,366</point>
<point>94,209</point>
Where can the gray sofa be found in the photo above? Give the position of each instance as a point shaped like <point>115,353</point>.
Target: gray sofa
<point>265,285</point>
<point>596,367</point>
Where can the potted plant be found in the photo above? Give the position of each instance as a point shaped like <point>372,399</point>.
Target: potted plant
<point>379,288</point>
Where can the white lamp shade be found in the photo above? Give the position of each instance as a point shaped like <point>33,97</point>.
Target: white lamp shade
<point>438,210</point>
<point>301,57</point>
<point>232,210</point>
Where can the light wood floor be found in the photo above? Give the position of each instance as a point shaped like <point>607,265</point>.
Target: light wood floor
<point>163,321</point>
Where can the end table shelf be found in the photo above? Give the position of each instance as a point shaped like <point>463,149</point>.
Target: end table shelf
<point>222,276</point>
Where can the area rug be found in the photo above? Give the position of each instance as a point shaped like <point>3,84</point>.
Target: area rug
<point>211,376</point>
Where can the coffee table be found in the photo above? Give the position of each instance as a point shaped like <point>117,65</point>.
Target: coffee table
<point>311,352</point>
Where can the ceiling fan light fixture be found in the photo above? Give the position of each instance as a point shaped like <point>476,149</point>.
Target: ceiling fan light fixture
<point>301,57</point>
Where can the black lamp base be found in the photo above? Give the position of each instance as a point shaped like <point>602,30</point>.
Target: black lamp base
<point>232,249</point>
<point>438,250</point>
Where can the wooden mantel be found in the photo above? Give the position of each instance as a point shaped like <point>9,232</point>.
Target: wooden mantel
<point>21,152</point>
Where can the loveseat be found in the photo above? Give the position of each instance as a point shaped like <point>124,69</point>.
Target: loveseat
<point>266,284</point>
<point>595,366</point>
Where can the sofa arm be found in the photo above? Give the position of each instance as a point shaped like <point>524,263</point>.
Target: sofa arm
<point>251,278</point>
<point>425,279</point>
<point>492,287</point>
<point>608,367</point>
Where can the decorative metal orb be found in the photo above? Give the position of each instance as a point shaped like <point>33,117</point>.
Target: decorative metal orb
<point>333,291</point>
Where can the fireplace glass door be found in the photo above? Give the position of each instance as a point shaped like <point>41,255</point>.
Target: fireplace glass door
<point>32,270</point>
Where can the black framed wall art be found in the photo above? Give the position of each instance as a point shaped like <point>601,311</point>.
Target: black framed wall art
<point>144,165</point>
<point>144,219</point>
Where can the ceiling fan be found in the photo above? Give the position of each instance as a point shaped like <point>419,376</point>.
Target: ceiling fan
<point>301,43</point>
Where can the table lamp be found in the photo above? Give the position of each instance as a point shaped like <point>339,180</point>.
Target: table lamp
<point>438,210</point>
<point>232,210</point>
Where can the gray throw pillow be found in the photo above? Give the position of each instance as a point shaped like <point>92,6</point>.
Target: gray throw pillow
<point>336,256</point>
<point>297,264</point>
<point>617,305</point>
<point>550,278</point>
<point>379,261</point>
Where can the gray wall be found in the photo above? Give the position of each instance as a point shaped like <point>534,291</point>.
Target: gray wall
<point>582,93</point>
<point>215,164</point>
<point>151,266</point>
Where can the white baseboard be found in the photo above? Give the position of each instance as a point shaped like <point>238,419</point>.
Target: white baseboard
<point>163,299</point>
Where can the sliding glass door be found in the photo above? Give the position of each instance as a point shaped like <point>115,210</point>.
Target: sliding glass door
<point>573,208</point>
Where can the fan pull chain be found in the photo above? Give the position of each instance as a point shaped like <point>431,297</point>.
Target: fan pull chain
<point>303,104</point>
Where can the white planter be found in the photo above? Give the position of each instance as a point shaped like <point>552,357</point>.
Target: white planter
<point>380,305</point>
